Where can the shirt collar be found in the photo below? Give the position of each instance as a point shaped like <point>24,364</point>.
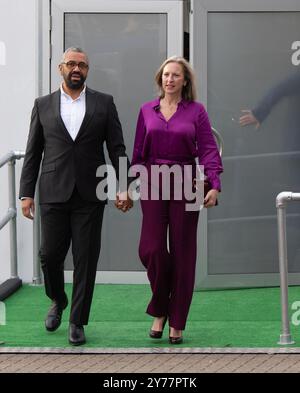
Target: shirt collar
<point>82,94</point>
<point>156,103</point>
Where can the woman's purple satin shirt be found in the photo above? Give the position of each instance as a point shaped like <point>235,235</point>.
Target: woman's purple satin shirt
<point>185,136</point>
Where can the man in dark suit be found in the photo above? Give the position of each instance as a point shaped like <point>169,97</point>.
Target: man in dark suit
<point>67,132</point>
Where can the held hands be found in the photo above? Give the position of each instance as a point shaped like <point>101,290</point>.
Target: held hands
<point>28,208</point>
<point>123,201</point>
<point>210,199</point>
<point>248,118</point>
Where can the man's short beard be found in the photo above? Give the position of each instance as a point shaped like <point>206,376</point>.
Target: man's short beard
<point>74,85</point>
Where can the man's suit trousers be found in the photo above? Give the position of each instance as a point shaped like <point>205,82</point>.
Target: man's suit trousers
<point>79,222</point>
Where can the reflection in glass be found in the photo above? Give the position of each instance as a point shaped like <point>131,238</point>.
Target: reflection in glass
<point>250,68</point>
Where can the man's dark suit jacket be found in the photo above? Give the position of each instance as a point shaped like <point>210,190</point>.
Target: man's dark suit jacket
<point>67,163</point>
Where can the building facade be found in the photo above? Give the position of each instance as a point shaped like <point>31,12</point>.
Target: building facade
<point>242,63</point>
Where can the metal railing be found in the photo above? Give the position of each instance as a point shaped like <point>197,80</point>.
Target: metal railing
<point>281,202</point>
<point>219,140</point>
<point>10,217</point>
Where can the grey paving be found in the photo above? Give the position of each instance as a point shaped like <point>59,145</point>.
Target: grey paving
<point>156,350</point>
<point>149,363</point>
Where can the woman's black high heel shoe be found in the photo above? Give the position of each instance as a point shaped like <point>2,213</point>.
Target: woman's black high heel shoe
<point>175,340</point>
<point>156,333</point>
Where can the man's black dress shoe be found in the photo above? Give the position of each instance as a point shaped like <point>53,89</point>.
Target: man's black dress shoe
<point>76,334</point>
<point>53,319</point>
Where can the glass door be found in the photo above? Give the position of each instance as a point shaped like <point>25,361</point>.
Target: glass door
<point>126,42</point>
<point>246,55</point>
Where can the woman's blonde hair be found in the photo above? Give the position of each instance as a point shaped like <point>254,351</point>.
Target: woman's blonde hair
<point>189,90</point>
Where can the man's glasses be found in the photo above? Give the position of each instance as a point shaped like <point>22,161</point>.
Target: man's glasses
<point>72,64</point>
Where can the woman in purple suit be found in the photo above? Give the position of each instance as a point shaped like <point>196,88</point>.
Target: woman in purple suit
<point>173,129</point>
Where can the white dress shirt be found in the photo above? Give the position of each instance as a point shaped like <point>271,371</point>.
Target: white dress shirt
<point>72,111</point>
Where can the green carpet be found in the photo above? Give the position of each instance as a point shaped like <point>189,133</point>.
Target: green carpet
<point>228,318</point>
